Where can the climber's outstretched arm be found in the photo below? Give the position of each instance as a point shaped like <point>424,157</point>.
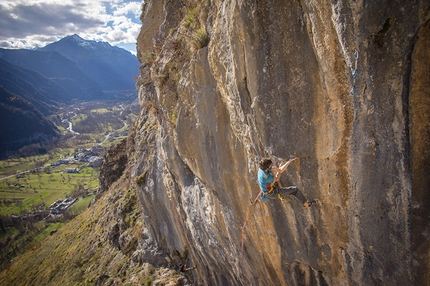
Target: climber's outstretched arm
<point>284,167</point>
<point>278,171</point>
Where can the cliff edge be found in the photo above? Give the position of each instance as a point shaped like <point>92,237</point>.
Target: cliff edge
<point>339,84</point>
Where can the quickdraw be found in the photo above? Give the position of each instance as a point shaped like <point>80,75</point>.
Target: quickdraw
<point>354,74</point>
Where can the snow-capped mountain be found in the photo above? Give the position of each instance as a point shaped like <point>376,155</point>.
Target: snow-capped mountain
<point>88,44</point>
<point>112,67</point>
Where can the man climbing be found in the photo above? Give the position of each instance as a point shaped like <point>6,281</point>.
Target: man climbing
<point>268,177</point>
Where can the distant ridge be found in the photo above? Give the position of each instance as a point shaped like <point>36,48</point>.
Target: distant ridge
<point>112,67</point>
<point>59,69</point>
<point>21,123</point>
<point>45,94</point>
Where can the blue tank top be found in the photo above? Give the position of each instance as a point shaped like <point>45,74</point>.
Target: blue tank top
<point>265,179</point>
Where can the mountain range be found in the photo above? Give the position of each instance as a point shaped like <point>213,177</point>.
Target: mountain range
<point>112,67</point>
<point>68,70</point>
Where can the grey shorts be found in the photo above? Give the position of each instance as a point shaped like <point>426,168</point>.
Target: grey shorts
<point>283,192</point>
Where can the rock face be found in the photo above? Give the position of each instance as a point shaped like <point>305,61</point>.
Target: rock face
<point>342,85</point>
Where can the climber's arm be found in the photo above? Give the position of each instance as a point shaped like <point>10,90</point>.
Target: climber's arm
<point>278,171</point>
<point>284,167</point>
<point>275,170</point>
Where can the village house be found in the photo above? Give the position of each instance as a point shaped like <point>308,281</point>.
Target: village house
<point>71,170</point>
<point>60,206</point>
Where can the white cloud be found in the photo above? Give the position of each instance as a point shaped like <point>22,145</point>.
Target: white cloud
<point>34,23</point>
<point>126,8</point>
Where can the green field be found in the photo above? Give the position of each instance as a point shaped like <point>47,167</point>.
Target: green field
<point>29,191</point>
<point>80,205</point>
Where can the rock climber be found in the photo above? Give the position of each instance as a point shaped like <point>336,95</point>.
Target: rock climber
<point>268,177</point>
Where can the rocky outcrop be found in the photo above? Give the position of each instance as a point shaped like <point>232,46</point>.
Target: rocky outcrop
<point>342,85</point>
<point>113,165</point>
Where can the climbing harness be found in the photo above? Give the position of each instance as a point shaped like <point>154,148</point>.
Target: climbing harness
<point>269,187</point>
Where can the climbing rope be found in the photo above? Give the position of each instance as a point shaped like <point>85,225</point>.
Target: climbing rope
<point>247,218</point>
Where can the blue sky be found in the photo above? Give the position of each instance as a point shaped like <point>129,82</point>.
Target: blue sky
<point>36,23</point>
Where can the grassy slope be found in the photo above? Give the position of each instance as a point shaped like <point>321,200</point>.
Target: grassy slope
<point>80,252</point>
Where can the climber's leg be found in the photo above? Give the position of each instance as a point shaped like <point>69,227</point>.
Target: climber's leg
<point>293,190</point>
<point>274,194</point>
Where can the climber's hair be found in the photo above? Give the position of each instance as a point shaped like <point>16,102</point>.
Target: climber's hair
<point>265,163</point>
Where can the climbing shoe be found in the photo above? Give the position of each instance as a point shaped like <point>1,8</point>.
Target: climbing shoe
<point>309,204</point>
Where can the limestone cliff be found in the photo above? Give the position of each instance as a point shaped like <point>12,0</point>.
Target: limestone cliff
<point>341,84</point>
